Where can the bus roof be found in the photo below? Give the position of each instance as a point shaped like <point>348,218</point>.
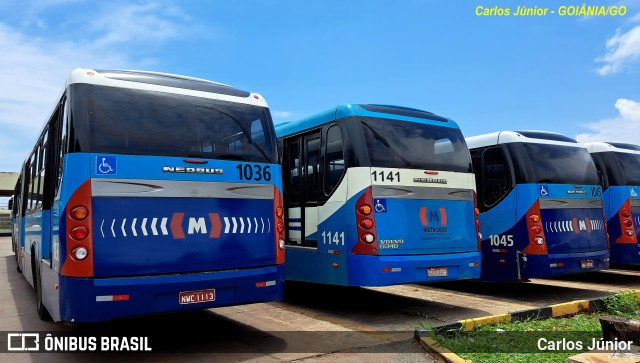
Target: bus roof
<point>531,136</point>
<point>599,147</point>
<point>164,82</point>
<point>366,110</point>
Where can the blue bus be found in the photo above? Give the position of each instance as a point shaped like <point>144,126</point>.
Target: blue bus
<point>148,193</point>
<point>618,166</point>
<point>378,195</point>
<point>540,206</point>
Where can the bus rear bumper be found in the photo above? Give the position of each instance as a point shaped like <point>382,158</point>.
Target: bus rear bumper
<point>625,253</point>
<point>394,270</point>
<point>100,299</point>
<point>540,266</point>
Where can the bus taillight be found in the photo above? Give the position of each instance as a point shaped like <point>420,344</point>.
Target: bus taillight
<point>536,245</point>
<point>80,253</point>
<point>79,233</point>
<point>278,218</point>
<point>79,213</point>
<point>476,215</point>
<point>628,234</point>
<point>364,209</point>
<point>365,225</point>
<point>78,238</point>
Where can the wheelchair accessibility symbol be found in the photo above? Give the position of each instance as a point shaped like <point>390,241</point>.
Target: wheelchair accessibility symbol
<point>380,206</point>
<point>106,165</point>
<point>544,190</point>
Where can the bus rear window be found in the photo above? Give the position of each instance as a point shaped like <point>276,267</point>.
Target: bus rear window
<point>558,164</point>
<point>630,166</point>
<point>140,122</point>
<point>412,145</point>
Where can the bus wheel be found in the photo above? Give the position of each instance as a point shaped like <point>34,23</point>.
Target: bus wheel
<point>43,313</point>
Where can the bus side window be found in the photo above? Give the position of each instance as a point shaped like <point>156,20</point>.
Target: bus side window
<point>293,168</point>
<point>334,159</point>
<point>33,172</point>
<point>41,168</point>
<point>496,179</point>
<point>602,178</point>
<point>312,165</point>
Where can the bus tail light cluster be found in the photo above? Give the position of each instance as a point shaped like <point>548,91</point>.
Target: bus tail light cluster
<point>365,225</point>
<point>537,241</point>
<point>627,228</point>
<point>278,217</point>
<point>78,241</point>
<point>476,214</point>
<point>606,229</point>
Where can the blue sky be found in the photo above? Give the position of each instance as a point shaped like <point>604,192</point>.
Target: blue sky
<point>574,75</point>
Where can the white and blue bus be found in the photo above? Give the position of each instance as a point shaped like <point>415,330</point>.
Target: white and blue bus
<point>378,195</point>
<point>540,206</point>
<point>618,165</point>
<point>148,193</point>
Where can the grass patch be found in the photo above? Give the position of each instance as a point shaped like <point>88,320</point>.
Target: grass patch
<point>624,304</point>
<point>523,341</point>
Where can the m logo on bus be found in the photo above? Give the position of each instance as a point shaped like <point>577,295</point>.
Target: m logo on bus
<point>574,225</point>
<point>433,217</point>
<point>213,225</point>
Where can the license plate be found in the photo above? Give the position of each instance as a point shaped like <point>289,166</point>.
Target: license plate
<point>586,264</point>
<point>194,297</point>
<point>436,271</point>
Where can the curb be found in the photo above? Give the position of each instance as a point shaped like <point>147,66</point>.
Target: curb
<point>443,354</point>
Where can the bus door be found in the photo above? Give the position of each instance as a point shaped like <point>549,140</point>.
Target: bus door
<point>502,245</point>
<point>303,186</point>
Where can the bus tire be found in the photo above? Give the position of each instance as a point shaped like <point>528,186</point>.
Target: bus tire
<point>16,251</point>
<point>43,313</point>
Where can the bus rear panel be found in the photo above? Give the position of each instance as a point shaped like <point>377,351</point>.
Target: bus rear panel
<point>541,209</point>
<point>169,199</point>
<point>619,167</point>
<point>401,211</point>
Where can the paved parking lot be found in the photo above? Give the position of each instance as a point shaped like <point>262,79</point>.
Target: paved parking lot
<point>313,323</point>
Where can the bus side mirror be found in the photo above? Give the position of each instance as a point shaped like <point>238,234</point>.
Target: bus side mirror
<point>10,204</point>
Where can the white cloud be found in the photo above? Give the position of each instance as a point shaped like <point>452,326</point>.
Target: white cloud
<point>622,48</point>
<point>138,22</point>
<point>281,114</point>
<point>33,70</point>
<point>625,127</point>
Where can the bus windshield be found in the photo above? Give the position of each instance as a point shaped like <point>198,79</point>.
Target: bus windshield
<point>141,122</point>
<point>403,144</point>
<point>630,166</point>
<point>558,164</point>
